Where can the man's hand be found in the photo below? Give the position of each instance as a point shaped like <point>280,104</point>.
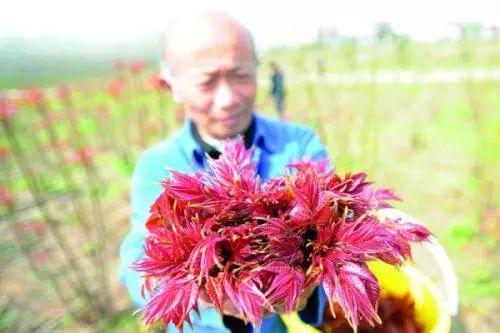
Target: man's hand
<point>229,309</point>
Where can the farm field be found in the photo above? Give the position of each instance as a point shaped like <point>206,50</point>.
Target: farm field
<point>67,151</point>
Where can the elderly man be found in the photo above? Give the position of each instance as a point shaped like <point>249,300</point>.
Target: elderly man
<point>212,63</point>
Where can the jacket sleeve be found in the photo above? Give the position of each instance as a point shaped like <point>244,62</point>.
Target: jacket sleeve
<point>145,188</point>
<point>312,147</point>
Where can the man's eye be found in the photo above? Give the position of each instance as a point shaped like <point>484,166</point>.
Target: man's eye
<point>207,84</point>
<point>241,76</point>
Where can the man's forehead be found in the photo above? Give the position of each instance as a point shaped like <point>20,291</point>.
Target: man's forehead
<point>212,45</point>
<point>216,57</point>
<point>230,48</point>
<point>213,69</point>
<point>209,36</point>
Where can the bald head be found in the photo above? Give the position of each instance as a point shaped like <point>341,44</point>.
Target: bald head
<point>212,72</point>
<point>204,33</point>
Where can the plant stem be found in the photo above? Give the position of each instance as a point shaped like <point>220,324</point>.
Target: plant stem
<point>61,242</point>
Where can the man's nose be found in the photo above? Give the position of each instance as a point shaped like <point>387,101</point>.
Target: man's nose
<point>225,96</point>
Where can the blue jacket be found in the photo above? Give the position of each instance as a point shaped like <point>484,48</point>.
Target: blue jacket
<point>276,143</point>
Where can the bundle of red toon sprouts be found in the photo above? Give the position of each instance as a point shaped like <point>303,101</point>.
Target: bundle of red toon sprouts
<point>225,233</point>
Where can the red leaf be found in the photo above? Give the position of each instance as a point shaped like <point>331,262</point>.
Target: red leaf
<point>116,87</point>
<point>7,110</point>
<point>413,232</point>
<point>357,293</point>
<point>300,214</point>
<point>154,221</point>
<point>6,197</point>
<point>64,93</point>
<point>234,171</point>
<point>185,187</point>
<point>118,64</point>
<point>159,261</point>
<point>4,153</point>
<point>206,254</point>
<point>136,66</point>
<point>34,96</point>
<point>365,237</point>
<point>251,300</point>
<point>231,290</point>
<point>174,300</point>
<point>215,291</point>
<point>287,284</point>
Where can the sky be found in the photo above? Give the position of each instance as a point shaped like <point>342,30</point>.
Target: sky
<point>273,22</point>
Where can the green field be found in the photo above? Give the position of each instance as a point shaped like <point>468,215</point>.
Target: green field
<point>437,145</point>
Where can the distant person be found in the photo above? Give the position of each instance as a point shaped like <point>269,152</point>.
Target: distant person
<point>320,64</point>
<point>277,88</point>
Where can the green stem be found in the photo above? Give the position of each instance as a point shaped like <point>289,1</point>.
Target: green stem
<point>98,257</point>
<point>51,224</point>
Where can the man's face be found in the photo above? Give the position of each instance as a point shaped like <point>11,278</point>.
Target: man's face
<point>216,82</point>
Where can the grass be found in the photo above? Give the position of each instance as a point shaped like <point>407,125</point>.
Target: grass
<point>426,142</point>
<point>436,145</point>
<point>348,56</point>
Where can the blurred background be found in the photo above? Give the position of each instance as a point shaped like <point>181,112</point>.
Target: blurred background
<point>408,91</point>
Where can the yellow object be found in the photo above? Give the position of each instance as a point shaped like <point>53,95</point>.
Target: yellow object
<point>430,308</point>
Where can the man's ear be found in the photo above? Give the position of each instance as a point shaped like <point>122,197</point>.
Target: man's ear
<point>175,92</point>
<point>166,75</point>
